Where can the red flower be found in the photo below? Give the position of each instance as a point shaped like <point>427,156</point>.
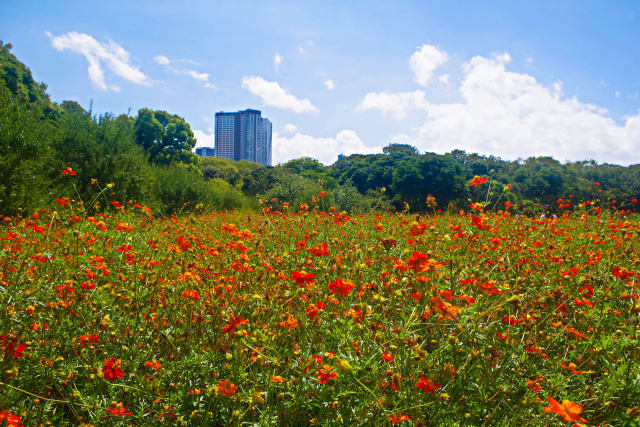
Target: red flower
<point>233,322</point>
<point>427,385</point>
<point>314,309</point>
<point>119,410</point>
<point>320,250</point>
<point>341,287</point>
<point>398,418</point>
<point>571,367</point>
<point>302,277</point>
<point>227,388</point>
<point>111,369</point>
<point>194,295</point>
<point>12,419</point>
<point>154,364</point>
<point>535,385</point>
<point>387,357</point>
<point>12,349</point>
<point>117,204</point>
<point>420,262</point>
<point>62,202</point>
<point>477,180</point>
<point>69,171</point>
<point>326,373</point>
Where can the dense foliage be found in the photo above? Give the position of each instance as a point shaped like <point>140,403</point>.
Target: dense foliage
<point>146,158</point>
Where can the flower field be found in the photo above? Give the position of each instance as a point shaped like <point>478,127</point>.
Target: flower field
<point>297,317</point>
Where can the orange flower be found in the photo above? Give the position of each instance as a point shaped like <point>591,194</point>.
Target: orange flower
<point>477,180</point>
<point>320,250</point>
<point>314,309</point>
<point>326,373</point>
<point>427,385</point>
<point>398,418</point>
<point>568,410</point>
<point>227,388</point>
<point>277,379</point>
<point>119,410</point>
<point>12,419</point>
<point>153,364</point>
<point>534,385</point>
<point>69,171</point>
<point>233,322</point>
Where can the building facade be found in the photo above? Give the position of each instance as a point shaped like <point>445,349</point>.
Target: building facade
<point>206,152</point>
<point>243,135</point>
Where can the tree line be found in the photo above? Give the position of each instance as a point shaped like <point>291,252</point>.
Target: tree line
<point>148,159</point>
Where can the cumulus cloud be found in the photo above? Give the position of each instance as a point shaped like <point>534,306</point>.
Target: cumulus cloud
<point>512,115</point>
<point>273,95</point>
<point>201,77</point>
<point>326,150</point>
<point>424,61</point>
<point>277,60</point>
<point>394,104</point>
<point>289,129</point>
<point>109,54</point>
<point>329,84</point>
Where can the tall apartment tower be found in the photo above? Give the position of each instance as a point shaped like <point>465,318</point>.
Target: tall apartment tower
<point>243,135</point>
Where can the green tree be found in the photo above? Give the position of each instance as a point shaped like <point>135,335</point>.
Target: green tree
<point>166,138</point>
<point>395,147</point>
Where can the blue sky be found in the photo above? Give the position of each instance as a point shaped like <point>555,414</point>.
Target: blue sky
<point>512,79</point>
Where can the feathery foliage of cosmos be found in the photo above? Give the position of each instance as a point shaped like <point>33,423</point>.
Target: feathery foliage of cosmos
<point>307,315</point>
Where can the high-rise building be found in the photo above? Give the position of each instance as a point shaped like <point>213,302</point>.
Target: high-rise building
<point>243,135</point>
<point>206,152</point>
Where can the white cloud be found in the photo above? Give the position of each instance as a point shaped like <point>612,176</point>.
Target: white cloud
<point>203,138</point>
<point>512,115</point>
<point>329,84</point>
<point>162,60</point>
<point>277,60</point>
<point>289,129</point>
<point>394,104</point>
<point>300,49</point>
<point>424,61</point>
<point>325,150</point>
<point>111,54</point>
<point>201,77</point>
<point>444,79</point>
<point>273,95</point>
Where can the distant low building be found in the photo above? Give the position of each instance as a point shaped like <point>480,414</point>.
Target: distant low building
<point>206,152</point>
<point>243,135</point>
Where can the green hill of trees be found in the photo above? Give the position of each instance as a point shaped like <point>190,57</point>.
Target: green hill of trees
<point>148,159</point>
